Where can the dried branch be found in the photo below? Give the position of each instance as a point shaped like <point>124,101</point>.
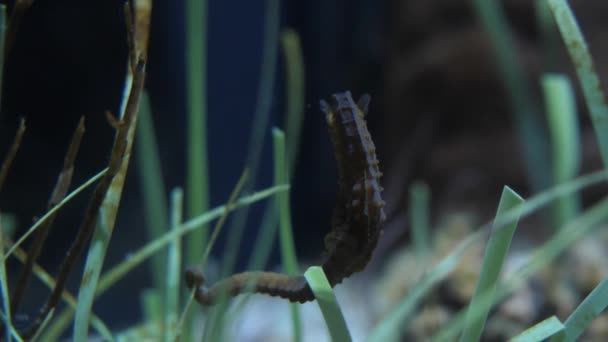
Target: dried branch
<point>49,281</point>
<point>92,213</point>
<point>8,160</point>
<point>120,154</point>
<point>143,13</point>
<point>21,6</point>
<point>61,189</point>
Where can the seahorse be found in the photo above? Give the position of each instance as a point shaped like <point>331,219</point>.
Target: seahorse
<point>357,220</point>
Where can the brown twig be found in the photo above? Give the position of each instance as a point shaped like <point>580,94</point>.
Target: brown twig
<point>21,6</point>
<point>92,213</point>
<point>43,275</point>
<point>119,152</point>
<point>130,25</point>
<point>12,152</point>
<point>143,14</point>
<point>61,188</point>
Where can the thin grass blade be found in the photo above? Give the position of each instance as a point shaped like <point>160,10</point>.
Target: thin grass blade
<point>532,134</point>
<point>216,231</point>
<point>6,302</point>
<point>495,255</point>
<point>197,162</point>
<point>288,250</point>
<point>2,42</point>
<point>12,331</point>
<point>261,118</point>
<point>540,331</point>
<point>565,141</point>
<point>328,304</point>
<point>43,326</point>
<point>106,217</point>
<point>294,70</point>
<point>593,305</point>
<point>67,297</point>
<point>53,210</point>
<point>12,153</point>
<point>419,214</point>
<point>174,268</point>
<point>541,258</point>
<point>391,327</point>
<point>116,273</point>
<point>396,322</point>
<point>152,187</point>
<point>64,181</point>
<point>151,305</point>
<point>549,34</point>
<point>197,177</point>
<point>585,69</point>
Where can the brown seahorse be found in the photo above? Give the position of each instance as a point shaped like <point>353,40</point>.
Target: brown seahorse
<point>357,220</point>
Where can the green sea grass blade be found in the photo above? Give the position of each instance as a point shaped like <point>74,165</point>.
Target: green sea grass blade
<point>105,225</point>
<point>561,110</point>
<point>13,333</point>
<point>68,298</point>
<point>265,239</point>
<point>152,187</point>
<point>294,71</point>
<point>288,250</point>
<point>259,130</point>
<point>255,146</point>
<point>563,126</point>
<point>148,331</point>
<point>151,305</point>
<point>116,273</point>
<point>419,214</point>
<point>549,34</point>
<point>328,304</point>
<point>6,163</point>
<point>262,248</point>
<point>43,326</point>
<point>52,211</point>
<point>540,331</point>
<point>197,162</point>
<point>286,242</point>
<point>216,231</point>
<point>197,178</point>
<point>394,323</point>
<point>6,303</point>
<point>294,66</point>
<point>528,123</point>
<point>152,247</point>
<point>174,268</point>
<point>593,306</point>
<point>542,257</point>
<point>2,42</point>
<point>495,255</point>
<point>585,69</point>
<point>9,226</point>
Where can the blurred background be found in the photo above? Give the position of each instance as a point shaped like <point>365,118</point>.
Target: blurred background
<point>440,113</point>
